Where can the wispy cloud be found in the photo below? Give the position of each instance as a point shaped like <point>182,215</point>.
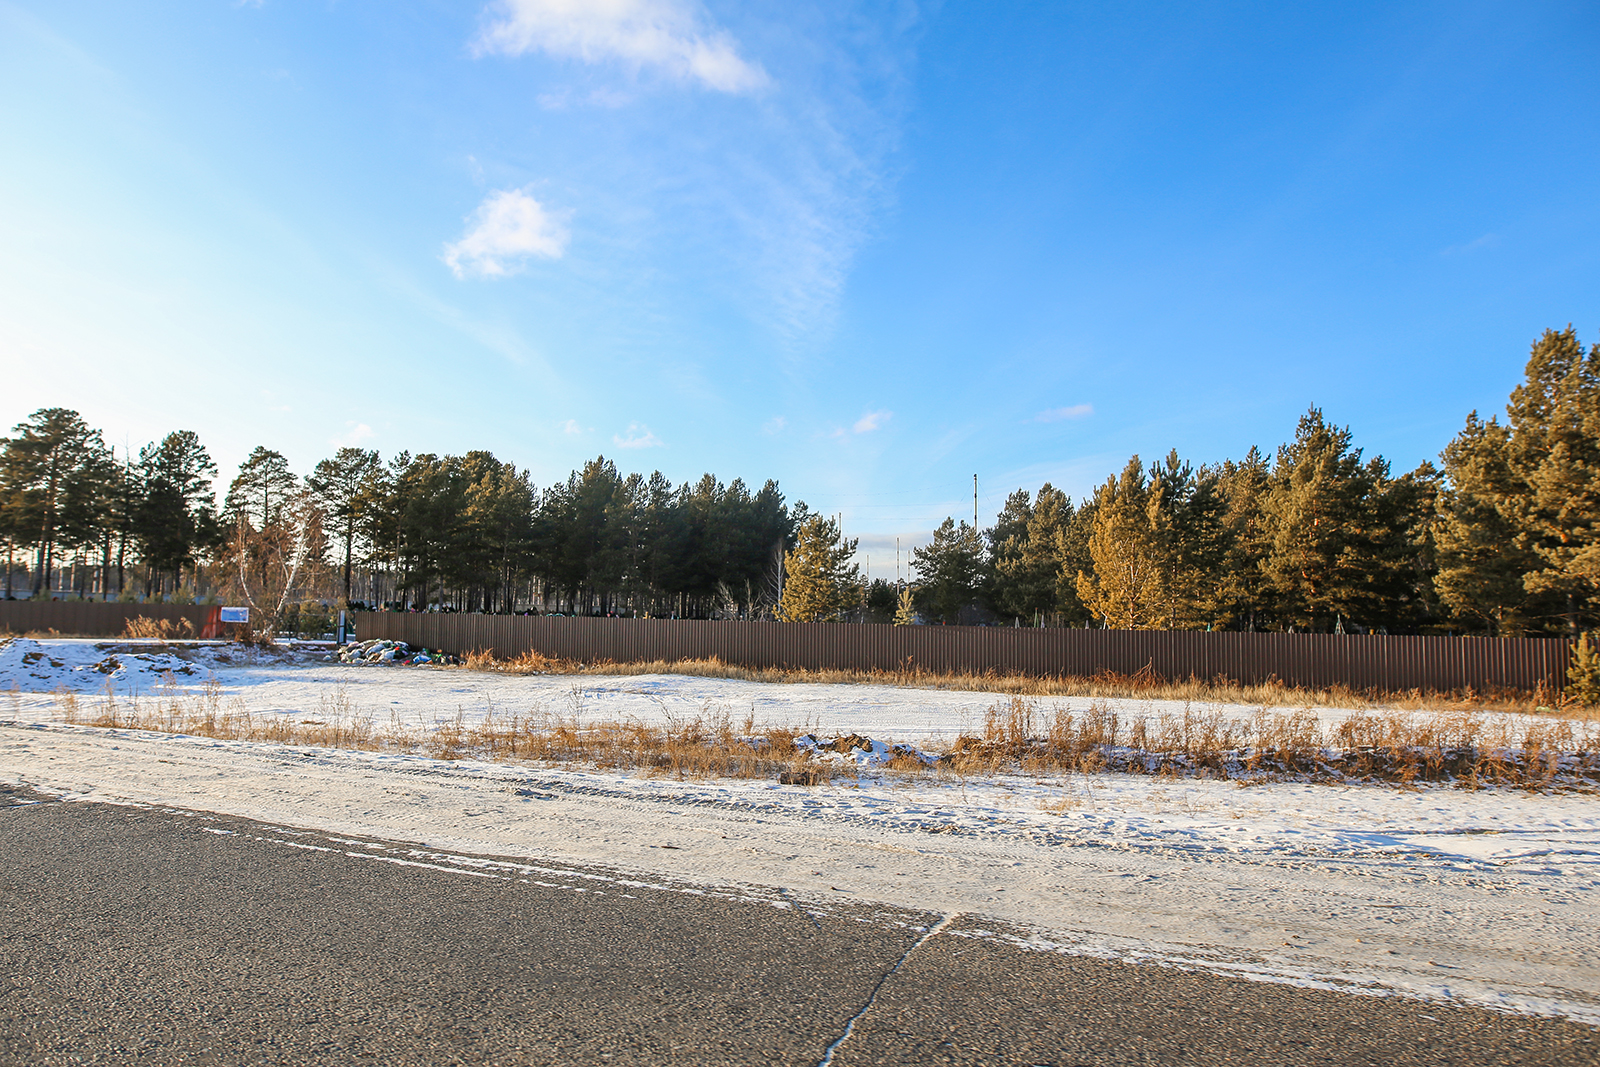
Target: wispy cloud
<point>1488,240</point>
<point>871,421</point>
<point>639,436</point>
<point>671,37</point>
<point>774,425</point>
<point>769,195</point>
<point>1076,411</point>
<point>354,434</point>
<point>571,426</point>
<point>508,227</point>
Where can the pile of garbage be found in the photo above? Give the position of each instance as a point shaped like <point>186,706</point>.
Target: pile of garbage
<point>393,652</point>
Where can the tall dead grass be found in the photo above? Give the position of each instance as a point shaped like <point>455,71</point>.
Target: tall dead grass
<point>146,628</point>
<point>707,745</point>
<point>1467,748</point>
<point>1144,685</point>
<point>207,712</point>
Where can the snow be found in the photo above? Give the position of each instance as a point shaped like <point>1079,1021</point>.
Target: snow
<point>290,681</point>
<point>90,666</point>
<point>1484,897</point>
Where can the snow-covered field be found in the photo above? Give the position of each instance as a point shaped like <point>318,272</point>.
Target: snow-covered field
<point>1486,896</point>
<point>292,683</point>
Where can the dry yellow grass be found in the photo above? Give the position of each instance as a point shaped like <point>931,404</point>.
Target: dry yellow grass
<point>163,629</point>
<point>1468,748</point>
<point>706,746</point>
<point>1144,685</point>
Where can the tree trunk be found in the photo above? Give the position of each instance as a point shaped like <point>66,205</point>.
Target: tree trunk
<point>349,539</point>
<point>105,565</point>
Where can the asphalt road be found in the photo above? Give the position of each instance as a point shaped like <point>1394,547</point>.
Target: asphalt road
<point>133,935</point>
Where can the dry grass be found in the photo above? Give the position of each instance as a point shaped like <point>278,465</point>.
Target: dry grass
<point>1470,749</point>
<point>1465,747</point>
<point>1144,685</point>
<point>702,747</point>
<point>161,629</point>
<point>208,713</point>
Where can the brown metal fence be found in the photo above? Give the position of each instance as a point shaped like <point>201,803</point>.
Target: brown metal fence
<point>94,618</point>
<point>1314,660</point>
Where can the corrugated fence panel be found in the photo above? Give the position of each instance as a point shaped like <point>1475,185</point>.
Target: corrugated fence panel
<point>92,618</point>
<point>1393,663</point>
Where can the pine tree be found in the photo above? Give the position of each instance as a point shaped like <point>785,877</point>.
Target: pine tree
<point>1583,673</point>
<point>1555,451</point>
<point>1028,562</point>
<point>261,490</point>
<point>89,510</point>
<point>1007,539</point>
<point>1519,515</point>
<point>881,600</point>
<point>45,469</point>
<point>1482,557</point>
<point>1011,524</point>
<point>1244,597</point>
<point>1124,589</point>
<point>253,513</point>
<point>1072,559</point>
<point>176,519</point>
<point>951,570</point>
<point>345,487</point>
<point>820,581</point>
<point>1323,555</point>
<point>1186,515</point>
<point>1405,536</point>
<point>498,526</point>
<point>905,608</point>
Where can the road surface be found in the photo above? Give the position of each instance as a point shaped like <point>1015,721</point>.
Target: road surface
<point>142,935</point>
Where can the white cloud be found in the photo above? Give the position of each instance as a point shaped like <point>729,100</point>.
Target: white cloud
<point>1076,411</point>
<point>871,421</point>
<point>670,36</point>
<point>571,426</point>
<point>354,434</point>
<point>508,227</point>
<point>639,436</point>
<point>768,200</point>
<point>774,425</point>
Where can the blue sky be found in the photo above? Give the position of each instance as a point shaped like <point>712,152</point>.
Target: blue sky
<point>866,249</point>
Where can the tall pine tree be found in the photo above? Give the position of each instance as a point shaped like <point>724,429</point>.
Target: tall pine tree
<point>820,581</point>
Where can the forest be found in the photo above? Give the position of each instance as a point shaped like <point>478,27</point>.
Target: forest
<point>1500,537</point>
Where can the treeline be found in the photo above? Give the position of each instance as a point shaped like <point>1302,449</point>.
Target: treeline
<point>466,533</point>
<point>1502,538</point>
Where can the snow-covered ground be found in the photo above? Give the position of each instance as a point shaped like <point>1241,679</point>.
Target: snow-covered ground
<point>290,683</point>
<point>1487,896</point>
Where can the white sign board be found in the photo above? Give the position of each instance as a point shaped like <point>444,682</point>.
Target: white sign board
<point>234,615</point>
